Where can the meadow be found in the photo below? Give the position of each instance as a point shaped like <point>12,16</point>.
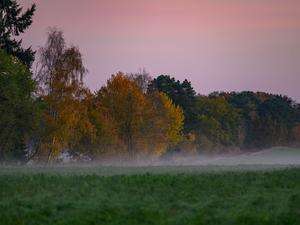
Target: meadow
<point>204,194</point>
<point>85,139</point>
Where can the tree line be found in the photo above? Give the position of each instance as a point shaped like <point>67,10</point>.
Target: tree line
<point>50,111</point>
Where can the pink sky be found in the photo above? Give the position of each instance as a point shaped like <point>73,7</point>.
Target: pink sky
<point>217,44</point>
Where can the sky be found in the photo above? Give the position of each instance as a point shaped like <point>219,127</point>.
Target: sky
<point>219,45</point>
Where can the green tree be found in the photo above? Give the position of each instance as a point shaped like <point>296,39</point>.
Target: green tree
<point>246,103</point>
<point>17,108</point>
<point>218,124</point>
<point>181,93</point>
<point>13,23</point>
<point>277,120</point>
<point>267,119</point>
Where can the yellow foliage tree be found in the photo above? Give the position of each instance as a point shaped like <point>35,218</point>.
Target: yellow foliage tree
<point>65,115</point>
<point>146,123</point>
<point>106,142</point>
<point>125,103</point>
<point>165,123</point>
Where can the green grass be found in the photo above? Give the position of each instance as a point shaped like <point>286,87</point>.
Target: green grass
<point>169,197</point>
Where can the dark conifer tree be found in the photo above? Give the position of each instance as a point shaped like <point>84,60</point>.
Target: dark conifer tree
<point>181,93</point>
<point>13,23</point>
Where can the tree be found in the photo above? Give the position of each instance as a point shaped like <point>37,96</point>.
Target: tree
<point>296,134</point>
<point>277,120</point>
<point>49,60</point>
<point>125,102</point>
<point>142,79</point>
<point>181,93</point>
<point>267,119</point>
<point>246,103</point>
<point>17,108</point>
<point>165,123</point>
<point>173,118</point>
<point>141,118</point>
<point>105,142</point>
<point>13,23</point>
<point>218,124</point>
<point>66,116</point>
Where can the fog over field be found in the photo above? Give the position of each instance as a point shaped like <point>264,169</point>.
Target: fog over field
<point>274,156</point>
<point>268,159</point>
<point>139,112</point>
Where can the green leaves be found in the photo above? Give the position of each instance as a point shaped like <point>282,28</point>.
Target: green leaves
<point>17,108</point>
<point>181,93</point>
<point>218,122</point>
<point>12,23</point>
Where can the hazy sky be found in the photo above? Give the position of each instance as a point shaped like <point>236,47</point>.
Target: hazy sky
<point>216,44</point>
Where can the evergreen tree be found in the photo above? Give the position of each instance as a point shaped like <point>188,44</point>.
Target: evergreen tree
<point>13,23</point>
<point>181,93</point>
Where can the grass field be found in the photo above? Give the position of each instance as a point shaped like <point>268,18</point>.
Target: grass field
<point>215,194</point>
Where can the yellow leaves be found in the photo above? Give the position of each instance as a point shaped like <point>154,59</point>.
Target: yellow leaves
<point>125,103</point>
<point>67,122</point>
<point>146,123</point>
<point>167,122</point>
<point>122,97</point>
<point>119,119</point>
<point>175,118</point>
